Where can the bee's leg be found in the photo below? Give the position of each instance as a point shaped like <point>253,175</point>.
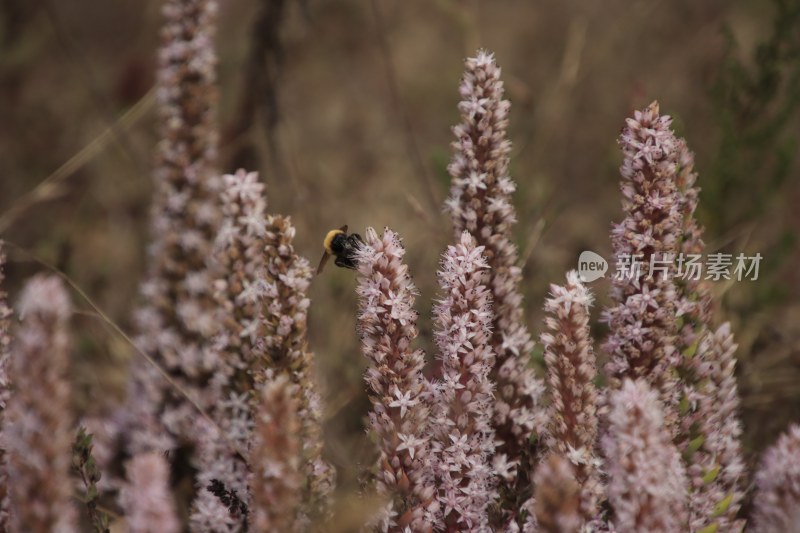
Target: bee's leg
<point>344,262</point>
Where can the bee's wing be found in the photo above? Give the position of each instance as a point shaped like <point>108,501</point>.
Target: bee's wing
<point>325,256</point>
<point>343,228</point>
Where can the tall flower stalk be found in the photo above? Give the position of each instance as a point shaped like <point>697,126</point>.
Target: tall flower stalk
<point>238,253</point>
<point>558,497</point>
<point>480,203</point>
<point>262,305</point>
<point>643,327</point>
<point>571,373</point>
<point>462,435</point>
<point>275,458</point>
<point>285,314</point>
<point>397,389</point>
<point>776,504</point>
<point>647,483</point>
<point>710,428</point>
<point>146,495</point>
<point>37,428</point>
<point>694,294</point>
<point>712,449</point>
<point>178,318</point>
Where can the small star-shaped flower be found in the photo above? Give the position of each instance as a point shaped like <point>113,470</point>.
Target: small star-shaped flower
<point>403,401</point>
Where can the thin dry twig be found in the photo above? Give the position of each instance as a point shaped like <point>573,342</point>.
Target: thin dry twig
<point>49,188</point>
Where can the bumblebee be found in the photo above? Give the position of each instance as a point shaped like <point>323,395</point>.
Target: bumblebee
<point>342,246</point>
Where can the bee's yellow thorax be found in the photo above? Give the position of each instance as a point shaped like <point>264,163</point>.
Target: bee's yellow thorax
<point>329,238</point>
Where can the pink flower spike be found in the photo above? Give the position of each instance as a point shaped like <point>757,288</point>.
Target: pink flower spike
<point>571,373</point>
<point>146,498</point>
<point>37,430</point>
<point>396,385</point>
<point>776,504</point>
<point>462,435</point>
<point>647,485</point>
<point>480,202</point>
<point>642,319</point>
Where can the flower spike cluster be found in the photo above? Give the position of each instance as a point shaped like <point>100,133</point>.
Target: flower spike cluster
<point>715,466</point>
<point>480,202</point>
<point>777,499</point>
<point>37,428</point>
<point>571,373</point>
<point>647,482</point>
<point>462,435</point>
<point>558,496</point>
<point>285,337</point>
<point>642,322</point>
<point>146,497</point>
<point>205,320</point>
<point>397,388</point>
<point>276,480</point>
<point>238,248</point>
<point>710,428</point>
<point>262,305</point>
<point>178,318</point>
<point>694,294</point>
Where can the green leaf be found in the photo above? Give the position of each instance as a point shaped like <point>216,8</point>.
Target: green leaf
<point>695,444</point>
<point>722,506</point>
<point>711,475</point>
<point>684,405</point>
<point>690,350</point>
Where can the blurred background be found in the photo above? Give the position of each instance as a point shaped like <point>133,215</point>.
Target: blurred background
<point>345,109</point>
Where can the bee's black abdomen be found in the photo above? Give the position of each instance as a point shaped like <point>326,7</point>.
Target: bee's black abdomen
<point>343,247</point>
<point>339,244</point>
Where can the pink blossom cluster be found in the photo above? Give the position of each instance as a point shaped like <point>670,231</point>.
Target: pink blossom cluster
<point>276,478</point>
<point>710,429</point>
<point>558,497</point>
<point>262,305</point>
<point>146,497</point>
<point>285,337</point>
<point>480,202</point>
<point>178,317</point>
<point>239,248</point>
<point>396,386</point>
<point>571,373</point>
<point>694,295</point>
<point>462,437</point>
<point>225,292</point>
<point>715,467</point>
<point>647,485</point>
<point>226,318</point>
<point>238,253</point>
<point>37,428</point>
<point>642,320</point>
<point>776,504</point>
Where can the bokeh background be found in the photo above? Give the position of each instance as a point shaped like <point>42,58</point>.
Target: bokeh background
<point>345,109</point>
